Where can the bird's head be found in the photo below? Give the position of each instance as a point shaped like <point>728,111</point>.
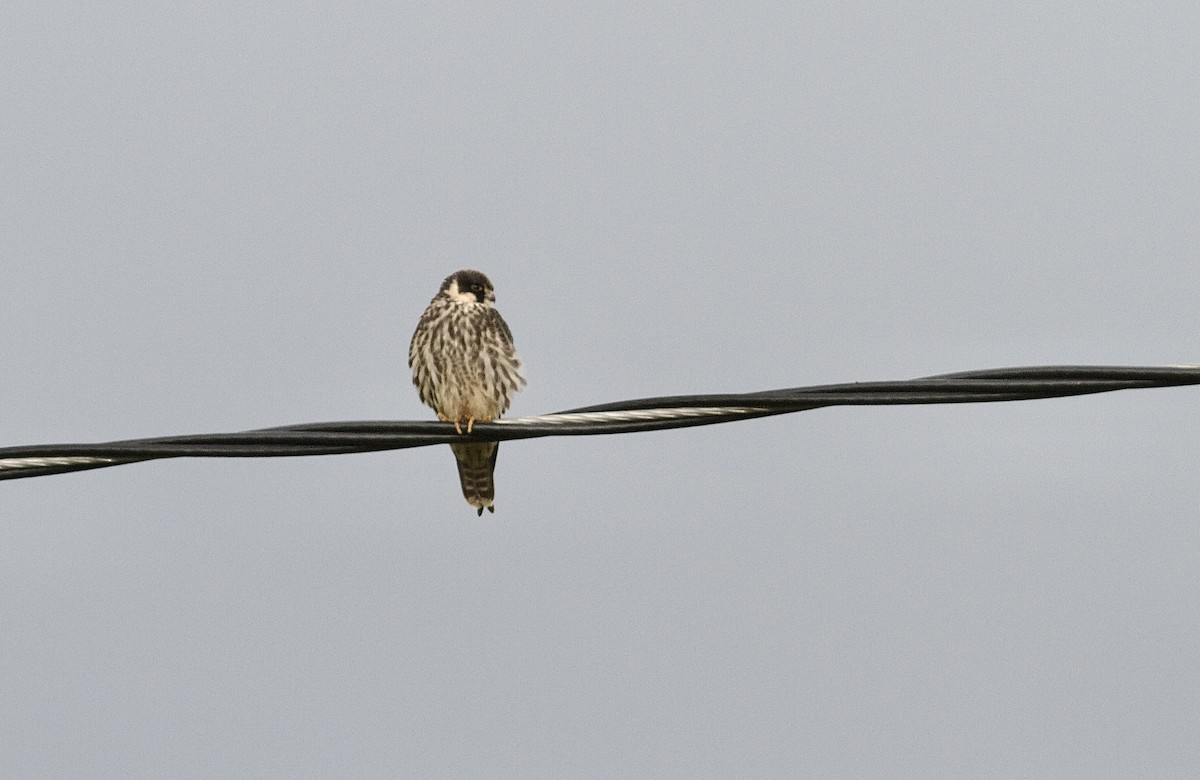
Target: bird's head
<point>467,286</point>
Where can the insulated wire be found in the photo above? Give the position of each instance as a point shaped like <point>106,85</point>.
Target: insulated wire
<point>645,414</point>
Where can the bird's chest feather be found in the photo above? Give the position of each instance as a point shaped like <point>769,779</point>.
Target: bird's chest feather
<point>468,365</point>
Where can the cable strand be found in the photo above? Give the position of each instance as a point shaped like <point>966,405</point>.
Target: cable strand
<point>643,414</point>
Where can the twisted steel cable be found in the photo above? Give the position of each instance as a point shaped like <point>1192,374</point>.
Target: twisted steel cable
<point>644,414</point>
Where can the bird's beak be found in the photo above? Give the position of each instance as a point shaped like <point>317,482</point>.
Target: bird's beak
<point>490,296</point>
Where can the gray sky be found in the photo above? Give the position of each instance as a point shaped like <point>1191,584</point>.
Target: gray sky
<point>219,216</point>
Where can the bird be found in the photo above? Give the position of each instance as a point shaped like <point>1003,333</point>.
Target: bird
<point>466,369</point>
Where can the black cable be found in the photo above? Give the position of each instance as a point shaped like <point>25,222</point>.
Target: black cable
<point>644,414</point>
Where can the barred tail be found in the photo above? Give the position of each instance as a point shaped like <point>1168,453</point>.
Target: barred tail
<point>476,462</point>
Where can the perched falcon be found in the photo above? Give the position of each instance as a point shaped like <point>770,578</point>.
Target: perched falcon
<point>465,368</point>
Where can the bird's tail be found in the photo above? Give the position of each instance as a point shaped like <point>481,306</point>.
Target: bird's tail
<point>476,463</point>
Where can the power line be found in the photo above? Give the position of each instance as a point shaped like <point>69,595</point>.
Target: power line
<point>644,414</point>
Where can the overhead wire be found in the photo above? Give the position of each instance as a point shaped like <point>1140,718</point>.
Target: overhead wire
<point>643,414</point>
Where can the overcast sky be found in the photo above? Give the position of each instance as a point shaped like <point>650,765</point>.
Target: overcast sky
<point>217,216</point>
